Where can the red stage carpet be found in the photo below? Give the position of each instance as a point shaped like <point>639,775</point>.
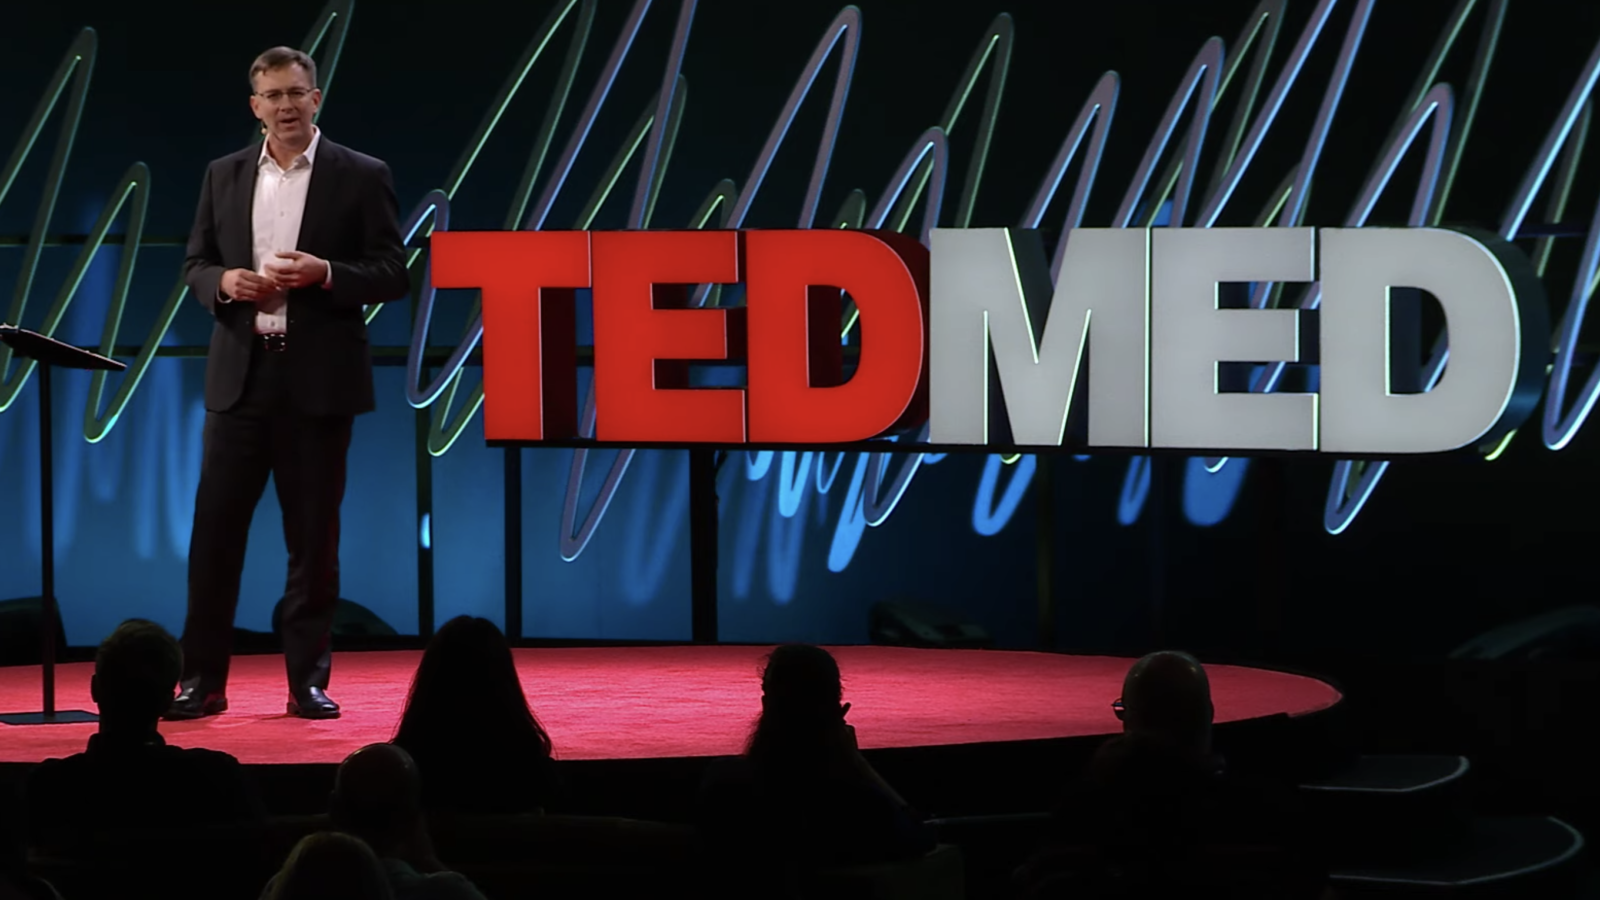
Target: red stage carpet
<point>652,702</point>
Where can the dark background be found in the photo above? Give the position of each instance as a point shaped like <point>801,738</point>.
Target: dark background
<point>1236,565</point>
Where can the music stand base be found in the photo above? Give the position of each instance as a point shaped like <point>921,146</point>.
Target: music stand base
<point>59,717</point>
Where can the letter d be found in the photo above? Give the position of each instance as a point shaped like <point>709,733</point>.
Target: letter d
<point>1496,318</point>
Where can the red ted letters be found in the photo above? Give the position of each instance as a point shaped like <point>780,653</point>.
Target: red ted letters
<point>646,335</point>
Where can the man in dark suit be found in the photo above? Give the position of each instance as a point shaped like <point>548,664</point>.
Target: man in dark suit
<point>292,239</point>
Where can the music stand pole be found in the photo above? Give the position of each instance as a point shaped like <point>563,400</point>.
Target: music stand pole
<point>47,544</point>
<point>46,352</point>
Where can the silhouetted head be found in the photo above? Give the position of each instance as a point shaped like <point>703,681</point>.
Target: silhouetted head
<point>331,866</point>
<point>136,672</point>
<point>377,796</point>
<point>1167,697</point>
<point>800,709</point>
<point>467,695</point>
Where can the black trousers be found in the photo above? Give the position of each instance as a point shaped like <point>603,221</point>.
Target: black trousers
<point>306,457</point>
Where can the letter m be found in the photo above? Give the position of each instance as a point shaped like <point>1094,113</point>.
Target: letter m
<point>988,286</point>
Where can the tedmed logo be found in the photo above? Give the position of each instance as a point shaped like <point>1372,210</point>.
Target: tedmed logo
<point>976,337</point>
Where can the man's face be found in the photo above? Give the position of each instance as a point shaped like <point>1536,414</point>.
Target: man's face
<point>285,102</point>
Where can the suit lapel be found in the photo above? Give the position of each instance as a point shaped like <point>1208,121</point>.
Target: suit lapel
<point>244,194</point>
<point>319,198</point>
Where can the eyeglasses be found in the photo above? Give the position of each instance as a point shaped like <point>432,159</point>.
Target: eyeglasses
<point>294,95</point>
<point>1117,709</point>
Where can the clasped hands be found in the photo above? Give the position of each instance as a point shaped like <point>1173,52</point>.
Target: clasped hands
<point>287,270</point>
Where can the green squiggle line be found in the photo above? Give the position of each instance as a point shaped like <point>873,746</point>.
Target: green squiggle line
<point>331,27</point>
<point>79,61</point>
<point>440,437</point>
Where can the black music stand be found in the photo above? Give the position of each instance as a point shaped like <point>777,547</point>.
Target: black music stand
<point>49,353</point>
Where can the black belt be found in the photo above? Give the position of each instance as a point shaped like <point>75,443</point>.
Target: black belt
<point>273,343</point>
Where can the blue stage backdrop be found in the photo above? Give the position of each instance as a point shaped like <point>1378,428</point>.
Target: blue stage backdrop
<point>1258,556</point>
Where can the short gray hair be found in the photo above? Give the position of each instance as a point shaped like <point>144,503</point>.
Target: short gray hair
<point>136,669</point>
<point>278,58</point>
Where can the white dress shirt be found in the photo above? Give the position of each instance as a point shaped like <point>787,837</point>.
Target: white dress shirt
<point>276,213</point>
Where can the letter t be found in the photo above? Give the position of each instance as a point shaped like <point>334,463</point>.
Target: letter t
<point>529,326</point>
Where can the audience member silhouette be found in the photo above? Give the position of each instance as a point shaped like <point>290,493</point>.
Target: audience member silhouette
<point>468,725</point>
<point>1158,805</point>
<point>128,777</point>
<point>802,797</point>
<point>377,797</point>
<point>1166,715</point>
<point>330,866</point>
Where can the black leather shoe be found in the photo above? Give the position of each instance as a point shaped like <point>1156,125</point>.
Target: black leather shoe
<point>312,703</point>
<point>193,703</point>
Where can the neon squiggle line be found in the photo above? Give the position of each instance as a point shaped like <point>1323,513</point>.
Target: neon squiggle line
<point>792,482</point>
<point>1135,488</point>
<point>757,463</point>
<point>920,178</point>
<point>824,482</point>
<point>852,525</point>
<point>752,515</point>
<point>78,64</point>
<point>651,540</point>
<point>990,516</point>
<point>1558,429</point>
<point>1208,497</point>
<point>786,538</point>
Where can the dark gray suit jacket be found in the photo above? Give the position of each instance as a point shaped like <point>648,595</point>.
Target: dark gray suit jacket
<point>351,220</point>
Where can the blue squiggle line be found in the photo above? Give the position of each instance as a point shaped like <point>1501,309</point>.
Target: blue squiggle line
<point>1135,488</point>
<point>852,524</point>
<point>920,177</point>
<point>825,482</point>
<point>752,514</point>
<point>786,540</point>
<point>1558,429</point>
<point>1208,497</point>
<point>651,536</point>
<point>792,484</point>
<point>758,463</point>
<point>989,517</point>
